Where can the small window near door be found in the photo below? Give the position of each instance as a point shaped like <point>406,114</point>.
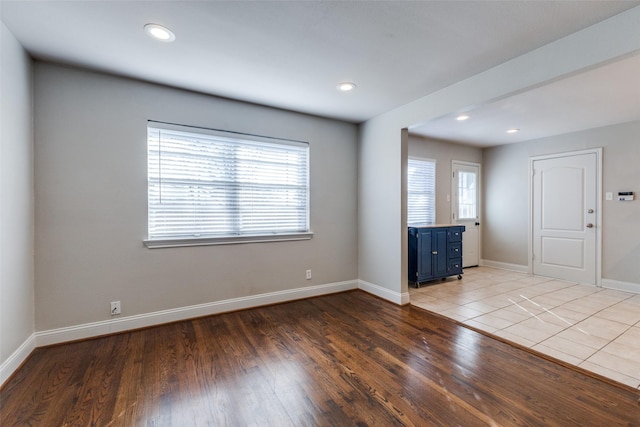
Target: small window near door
<point>421,191</point>
<point>467,193</point>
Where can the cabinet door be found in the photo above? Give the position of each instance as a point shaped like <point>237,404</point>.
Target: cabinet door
<point>425,247</point>
<point>439,251</point>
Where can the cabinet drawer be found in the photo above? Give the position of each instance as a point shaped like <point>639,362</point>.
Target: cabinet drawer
<point>455,250</point>
<point>455,234</point>
<point>454,265</point>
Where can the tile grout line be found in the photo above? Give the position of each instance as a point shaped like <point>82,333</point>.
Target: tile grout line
<point>531,315</point>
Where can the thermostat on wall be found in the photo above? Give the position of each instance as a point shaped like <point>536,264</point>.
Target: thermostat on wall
<point>623,196</point>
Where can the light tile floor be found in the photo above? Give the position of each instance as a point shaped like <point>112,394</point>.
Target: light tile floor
<point>594,328</point>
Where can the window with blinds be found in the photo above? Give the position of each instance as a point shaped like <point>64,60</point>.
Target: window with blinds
<point>421,191</point>
<point>223,187</point>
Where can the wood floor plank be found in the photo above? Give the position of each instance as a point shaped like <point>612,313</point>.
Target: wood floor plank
<point>342,359</point>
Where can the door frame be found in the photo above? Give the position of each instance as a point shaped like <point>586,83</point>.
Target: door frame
<point>454,203</point>
<point>598,222</point>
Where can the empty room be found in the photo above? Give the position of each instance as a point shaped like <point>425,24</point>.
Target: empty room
<point>319,213</point>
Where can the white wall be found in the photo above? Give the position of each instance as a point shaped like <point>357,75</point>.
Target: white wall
<point>16,204</point>
<point>380,188</point>
<point>443,153</point>
<point>91,202</point>
<point>380,201</point>
<point>506,189</point>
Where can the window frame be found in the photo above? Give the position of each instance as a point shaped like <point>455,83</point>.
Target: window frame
<point>460,196</point>
<point>434,199</point>
<point>182,241</point>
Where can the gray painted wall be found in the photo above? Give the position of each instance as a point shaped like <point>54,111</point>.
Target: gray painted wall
<point>506,195</point>
<point>443,153</point>
<point>16,197</point>
<point>91,202</point>
<point>380,201</point>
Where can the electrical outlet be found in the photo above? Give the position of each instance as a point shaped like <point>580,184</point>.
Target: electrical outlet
<point>308,274</point>
<point>115,308</point>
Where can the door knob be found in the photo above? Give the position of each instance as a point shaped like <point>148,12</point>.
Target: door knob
<point>590,211</point>
<point>589,225</point>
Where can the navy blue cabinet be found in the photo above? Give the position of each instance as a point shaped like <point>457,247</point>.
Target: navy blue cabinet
<point>435,252</point>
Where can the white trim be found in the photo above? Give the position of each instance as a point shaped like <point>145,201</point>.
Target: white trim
<point>17,358</point>
<point>230,240</point>
<point>384,293</point>
<point>621,286</point>
<point>90,330</point>
<point>157,124</point>
<point>504,266</point>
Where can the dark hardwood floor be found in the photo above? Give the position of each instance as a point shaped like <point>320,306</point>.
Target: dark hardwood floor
<point>338,360</point>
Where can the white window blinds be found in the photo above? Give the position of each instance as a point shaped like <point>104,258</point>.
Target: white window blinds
<point>207,184</point>
<point>421,191</point>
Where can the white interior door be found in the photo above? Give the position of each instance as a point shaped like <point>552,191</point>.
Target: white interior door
<point>565,217</point>
<point>465,208</point>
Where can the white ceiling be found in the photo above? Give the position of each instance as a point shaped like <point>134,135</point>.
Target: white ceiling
<point>603,96</point>
<point>292,54</point>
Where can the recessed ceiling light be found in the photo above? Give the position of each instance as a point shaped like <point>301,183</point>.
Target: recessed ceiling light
<point>346,86</point>
<point>462,117</point>
<point>159,32</point>
<point>514,130</point>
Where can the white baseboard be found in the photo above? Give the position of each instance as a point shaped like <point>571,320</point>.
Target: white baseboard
<point>606,283</point>
<point>504,266</point>
<point>384,293</point>
<point>621,286</point>
<point>17,358</point>
<point>90,330</point>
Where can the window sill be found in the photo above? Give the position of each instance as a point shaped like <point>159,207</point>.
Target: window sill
<point>211,241</point>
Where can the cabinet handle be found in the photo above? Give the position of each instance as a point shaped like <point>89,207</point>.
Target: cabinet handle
<point>434,253</point>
